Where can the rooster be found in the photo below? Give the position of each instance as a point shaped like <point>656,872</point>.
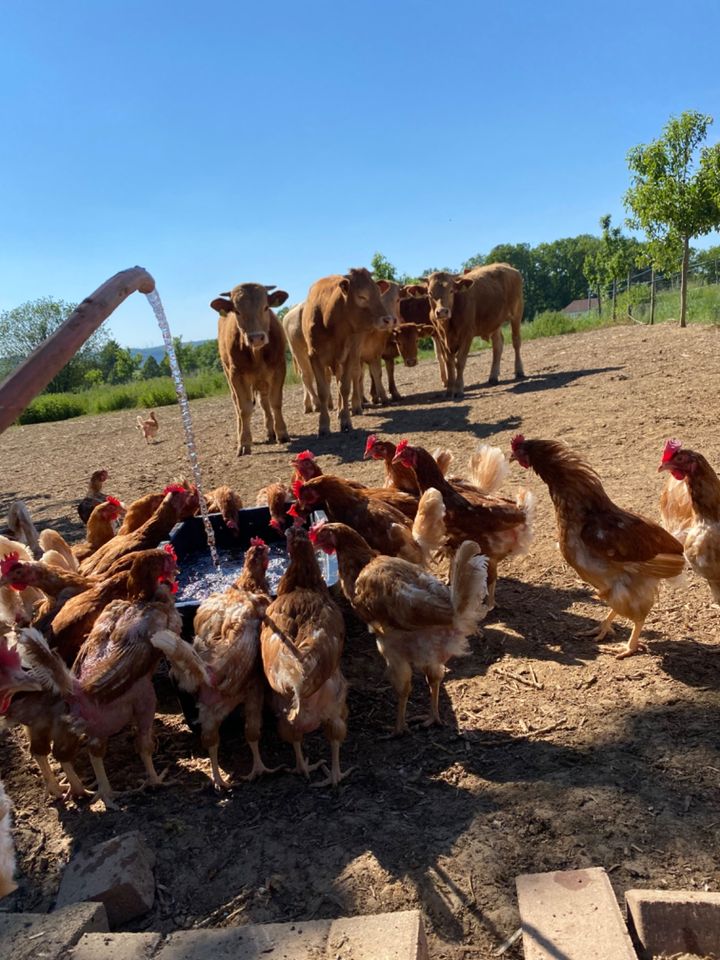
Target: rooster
<point>621,554</point>
<point>301,642</point>
<point>702,534</point>
<point>175,503</point>
<point>148,426</point>
<point>384,527</point>
<point>94,495</point>
<point>111,682</point>
<point>419,622</point>
<point>25,699</point>
<point>17,606</point>
<point>227,642</point>
<point>501,527</point>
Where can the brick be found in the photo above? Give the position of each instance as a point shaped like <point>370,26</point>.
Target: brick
<point>27,936</point>
<point>116,946</point>
<point>385,936</point>
<point>674,921</point>
<point>571,914</point>
<point>118,873</point>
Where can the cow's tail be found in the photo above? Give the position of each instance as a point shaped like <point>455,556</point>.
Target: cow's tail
<point>515,326</point>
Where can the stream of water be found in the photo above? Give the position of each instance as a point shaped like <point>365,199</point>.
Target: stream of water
<point>159,311</point>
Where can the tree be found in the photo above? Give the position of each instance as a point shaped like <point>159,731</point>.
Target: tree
<point>24,328</point>
<point>117,364</point>
<point>613,259</point>
<point>675,191</point>
<point>151,368</point>
<point>382,269</point>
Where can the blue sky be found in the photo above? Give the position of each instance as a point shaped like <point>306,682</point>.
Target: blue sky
<point>220,142</point>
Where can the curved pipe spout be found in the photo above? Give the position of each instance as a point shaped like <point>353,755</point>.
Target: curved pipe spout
<point>35,373</point>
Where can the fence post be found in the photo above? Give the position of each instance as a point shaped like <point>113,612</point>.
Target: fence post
<point>628,296</point>
<point>652,297</point>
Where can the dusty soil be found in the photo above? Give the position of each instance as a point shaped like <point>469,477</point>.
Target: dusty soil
<point>583,761</point>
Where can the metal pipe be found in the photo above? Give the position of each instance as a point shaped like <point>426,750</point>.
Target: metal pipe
<point>47,360</point>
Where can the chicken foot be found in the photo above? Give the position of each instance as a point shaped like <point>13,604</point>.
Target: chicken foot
<point>76,788</point>
<point>334,775</point>
<point>634,645</point>
<point>50,781</point>
<point>601,630</point>
<point>301,765</point>
<point>258,767</point>
<point>104,791</point>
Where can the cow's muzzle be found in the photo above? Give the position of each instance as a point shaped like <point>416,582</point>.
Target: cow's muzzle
<point>256,340</point>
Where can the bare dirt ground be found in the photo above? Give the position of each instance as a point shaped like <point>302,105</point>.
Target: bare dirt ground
<point>599,762</point>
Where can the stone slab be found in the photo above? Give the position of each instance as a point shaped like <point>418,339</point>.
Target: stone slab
<point>118,873</point>
<point>116,946</point>
<point>27,936</point>
<point>385,936</point>
<point>674,921</point>
<point>573,915</point>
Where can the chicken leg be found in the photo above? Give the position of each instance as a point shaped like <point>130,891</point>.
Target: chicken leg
<point>601,630</point>
<point>634,644</point>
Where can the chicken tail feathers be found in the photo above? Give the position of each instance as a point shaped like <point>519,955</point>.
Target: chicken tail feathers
<point>488,468</point>
<point>443,458</point>
<point>428,528</point>
<point>20,523</point>
<point>43,664</point>
<point>525,501</point>
<point>52,540</point>
<point>187,666</point>
<point>469,586</point>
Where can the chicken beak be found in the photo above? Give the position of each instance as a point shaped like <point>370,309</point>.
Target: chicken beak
<point>664,466</point>
<point>512,458</point>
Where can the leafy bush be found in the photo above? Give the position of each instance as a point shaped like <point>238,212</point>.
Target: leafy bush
<point>53,406</point>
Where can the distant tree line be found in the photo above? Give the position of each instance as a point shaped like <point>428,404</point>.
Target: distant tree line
<point>100,360</point>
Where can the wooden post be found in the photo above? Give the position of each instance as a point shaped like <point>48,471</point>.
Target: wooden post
<point>614,299</point>
<point>684,281</point>
<point>652,296</point>
<point>36,372</point>
<point>628,295</point>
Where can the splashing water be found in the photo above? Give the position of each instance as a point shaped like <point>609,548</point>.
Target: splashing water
<point>159,311</point>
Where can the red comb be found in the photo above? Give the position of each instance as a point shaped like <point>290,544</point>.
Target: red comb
<point>516,441</point>
<point>114,501</point>
<point>671,448</point>
<point>170,551</point>
<point>174,488</point>
<point>9,561</point>
<point>297,487</point>
<point>257,542</point>
<point>9,659</point>
<point>403,445</point>
<point>371,441</point>
<point>305,455</point>
<point>293,512</point>
<point>275,524</point>
<point>314,530</point>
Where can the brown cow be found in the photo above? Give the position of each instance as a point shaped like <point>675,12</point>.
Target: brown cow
<point>251,343</point>
<point>475,304</point>
<point>414,323</point>
<point>375,343</point>
<point>338,311</point>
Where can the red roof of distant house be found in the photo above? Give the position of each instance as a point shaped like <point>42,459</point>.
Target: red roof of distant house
<point>581,306</point>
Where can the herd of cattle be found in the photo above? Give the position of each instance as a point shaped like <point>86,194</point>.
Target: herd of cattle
<point>351,321</point>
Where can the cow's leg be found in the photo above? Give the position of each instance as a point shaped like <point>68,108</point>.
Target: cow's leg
<point>376,379</point>
<point>244,396</point>
<point>236,405</point>
<point>442,362</point>
<point>267,412</point>
<point>450,370</point>
<point>357,391</point>
<point>347,377</point>
<point>302,363</point>
<point>322,386</point>
<point>392,387</point>
<point>496,338</point>
<point>276,392</point>
<point>460,362</point>
<point>515,327</point>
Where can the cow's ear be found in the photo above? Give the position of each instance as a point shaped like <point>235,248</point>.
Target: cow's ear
<point>277,298</point>
<point>383,285</point>
<point>221,305</point>
<point>415,290</point>
<point>344,285</point>
<point>462,282</point>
